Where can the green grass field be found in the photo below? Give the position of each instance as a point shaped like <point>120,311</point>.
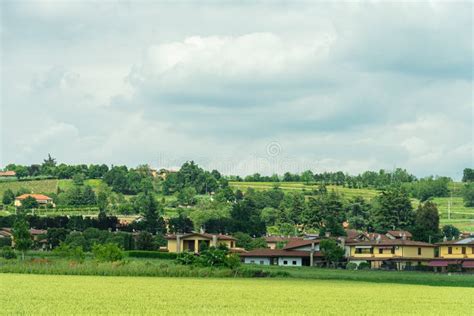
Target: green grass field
<point>44,186</point>
<point>300,186</point>
<point>47,294</point>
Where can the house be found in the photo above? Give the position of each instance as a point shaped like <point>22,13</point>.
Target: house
<point>194,241</point>
<point>458,253</point>
<point>280,257</point>
<point>297,252</point>
<point>40,198</point>
<point>399,254</point>
<point>38,236</point>
<point>274,242</point>
<point>7,174</point>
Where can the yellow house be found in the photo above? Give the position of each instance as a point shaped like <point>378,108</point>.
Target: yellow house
<point>396,254</point>
<point>458,253</point>
<point>194,241</point>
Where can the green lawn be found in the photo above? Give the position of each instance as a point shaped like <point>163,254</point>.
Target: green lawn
<point>48,294</point>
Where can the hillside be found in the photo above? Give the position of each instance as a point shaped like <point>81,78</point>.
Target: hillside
<point>460,216</point>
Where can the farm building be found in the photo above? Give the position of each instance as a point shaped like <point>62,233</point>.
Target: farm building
<point>194,241</point>
<point>40,198</point>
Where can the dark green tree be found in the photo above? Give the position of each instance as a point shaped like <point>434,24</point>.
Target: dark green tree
<point>8,197</point>
<point>21,236</point>
<point>392,210</point>
<point>426,227</point>
<point>331,251</point>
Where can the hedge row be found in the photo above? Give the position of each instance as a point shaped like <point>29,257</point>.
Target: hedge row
<point>151,254</point>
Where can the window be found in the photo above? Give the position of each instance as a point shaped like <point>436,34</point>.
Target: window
<point>294,262</point>
<point>262,262</point>
<point>419,251</point>
<point>463,250</point>
<point>285,262</point>
<point>252,261</point>
<point>473,250</point>
<point>450,250</point>
<point>392,250</point>
<point>380,250</point>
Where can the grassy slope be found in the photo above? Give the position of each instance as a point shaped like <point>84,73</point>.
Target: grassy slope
<point>46,294</point>
<point>44,186</point>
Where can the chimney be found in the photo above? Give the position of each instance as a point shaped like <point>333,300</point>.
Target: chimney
<point>201,230</point>
<point>404,236</point>
<point>378,239</point>
<point>445,238</point>
<point>214,240</point>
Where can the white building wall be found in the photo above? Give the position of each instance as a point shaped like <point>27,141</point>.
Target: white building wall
<point>257,260</point>
<point>290,262</point>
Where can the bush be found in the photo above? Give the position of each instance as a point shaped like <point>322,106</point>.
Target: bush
<point>351,266</point>
<point>8,253</point>
<point>7,241</point>
<point>363,266</point>
<point>107,252</point>
<point>151,254</point>
<point>186,258</point>
<point>66,251</point>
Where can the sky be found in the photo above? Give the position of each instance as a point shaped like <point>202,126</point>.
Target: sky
<point>243,86</point>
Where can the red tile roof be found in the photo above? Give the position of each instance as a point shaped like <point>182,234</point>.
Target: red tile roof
<point>459,242</point>
<point>399,233</point>
<point>265,252</point>
<point>35,196</point>
<point>393,242</point>
<point>300,243</point>
<point>8,173</point>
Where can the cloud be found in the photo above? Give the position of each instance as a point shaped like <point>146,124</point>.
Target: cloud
<point>350,86</point>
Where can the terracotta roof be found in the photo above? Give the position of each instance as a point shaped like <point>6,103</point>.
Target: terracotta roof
<point>265,252</point>
<point>393,242</point>
<point>35,231</point>
<point>205,235</point>
<point>35,196</point>
<point>300,243</point>
<point>399,233</point>
<point>8,173</point>
<point>374,236</point>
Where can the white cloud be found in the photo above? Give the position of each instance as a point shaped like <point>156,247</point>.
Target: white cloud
<point>350,86</point>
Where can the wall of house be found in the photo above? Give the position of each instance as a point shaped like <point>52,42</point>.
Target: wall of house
<point>172,245</point>
<point>307,248</point>
<point>257,260</point>
<point>290,261</point>
<point>456,252</point>
<point>412,252</point>
<point>400,251</point>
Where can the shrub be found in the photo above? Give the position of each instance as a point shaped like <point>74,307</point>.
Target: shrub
<point>351,266</point>
<point>66,251</point>
<point>186,258</point>
<point>7,241</point>
<point>151,254</point>
<point>8,253</point>
<point>363,266</point>
<point>107,252</point>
